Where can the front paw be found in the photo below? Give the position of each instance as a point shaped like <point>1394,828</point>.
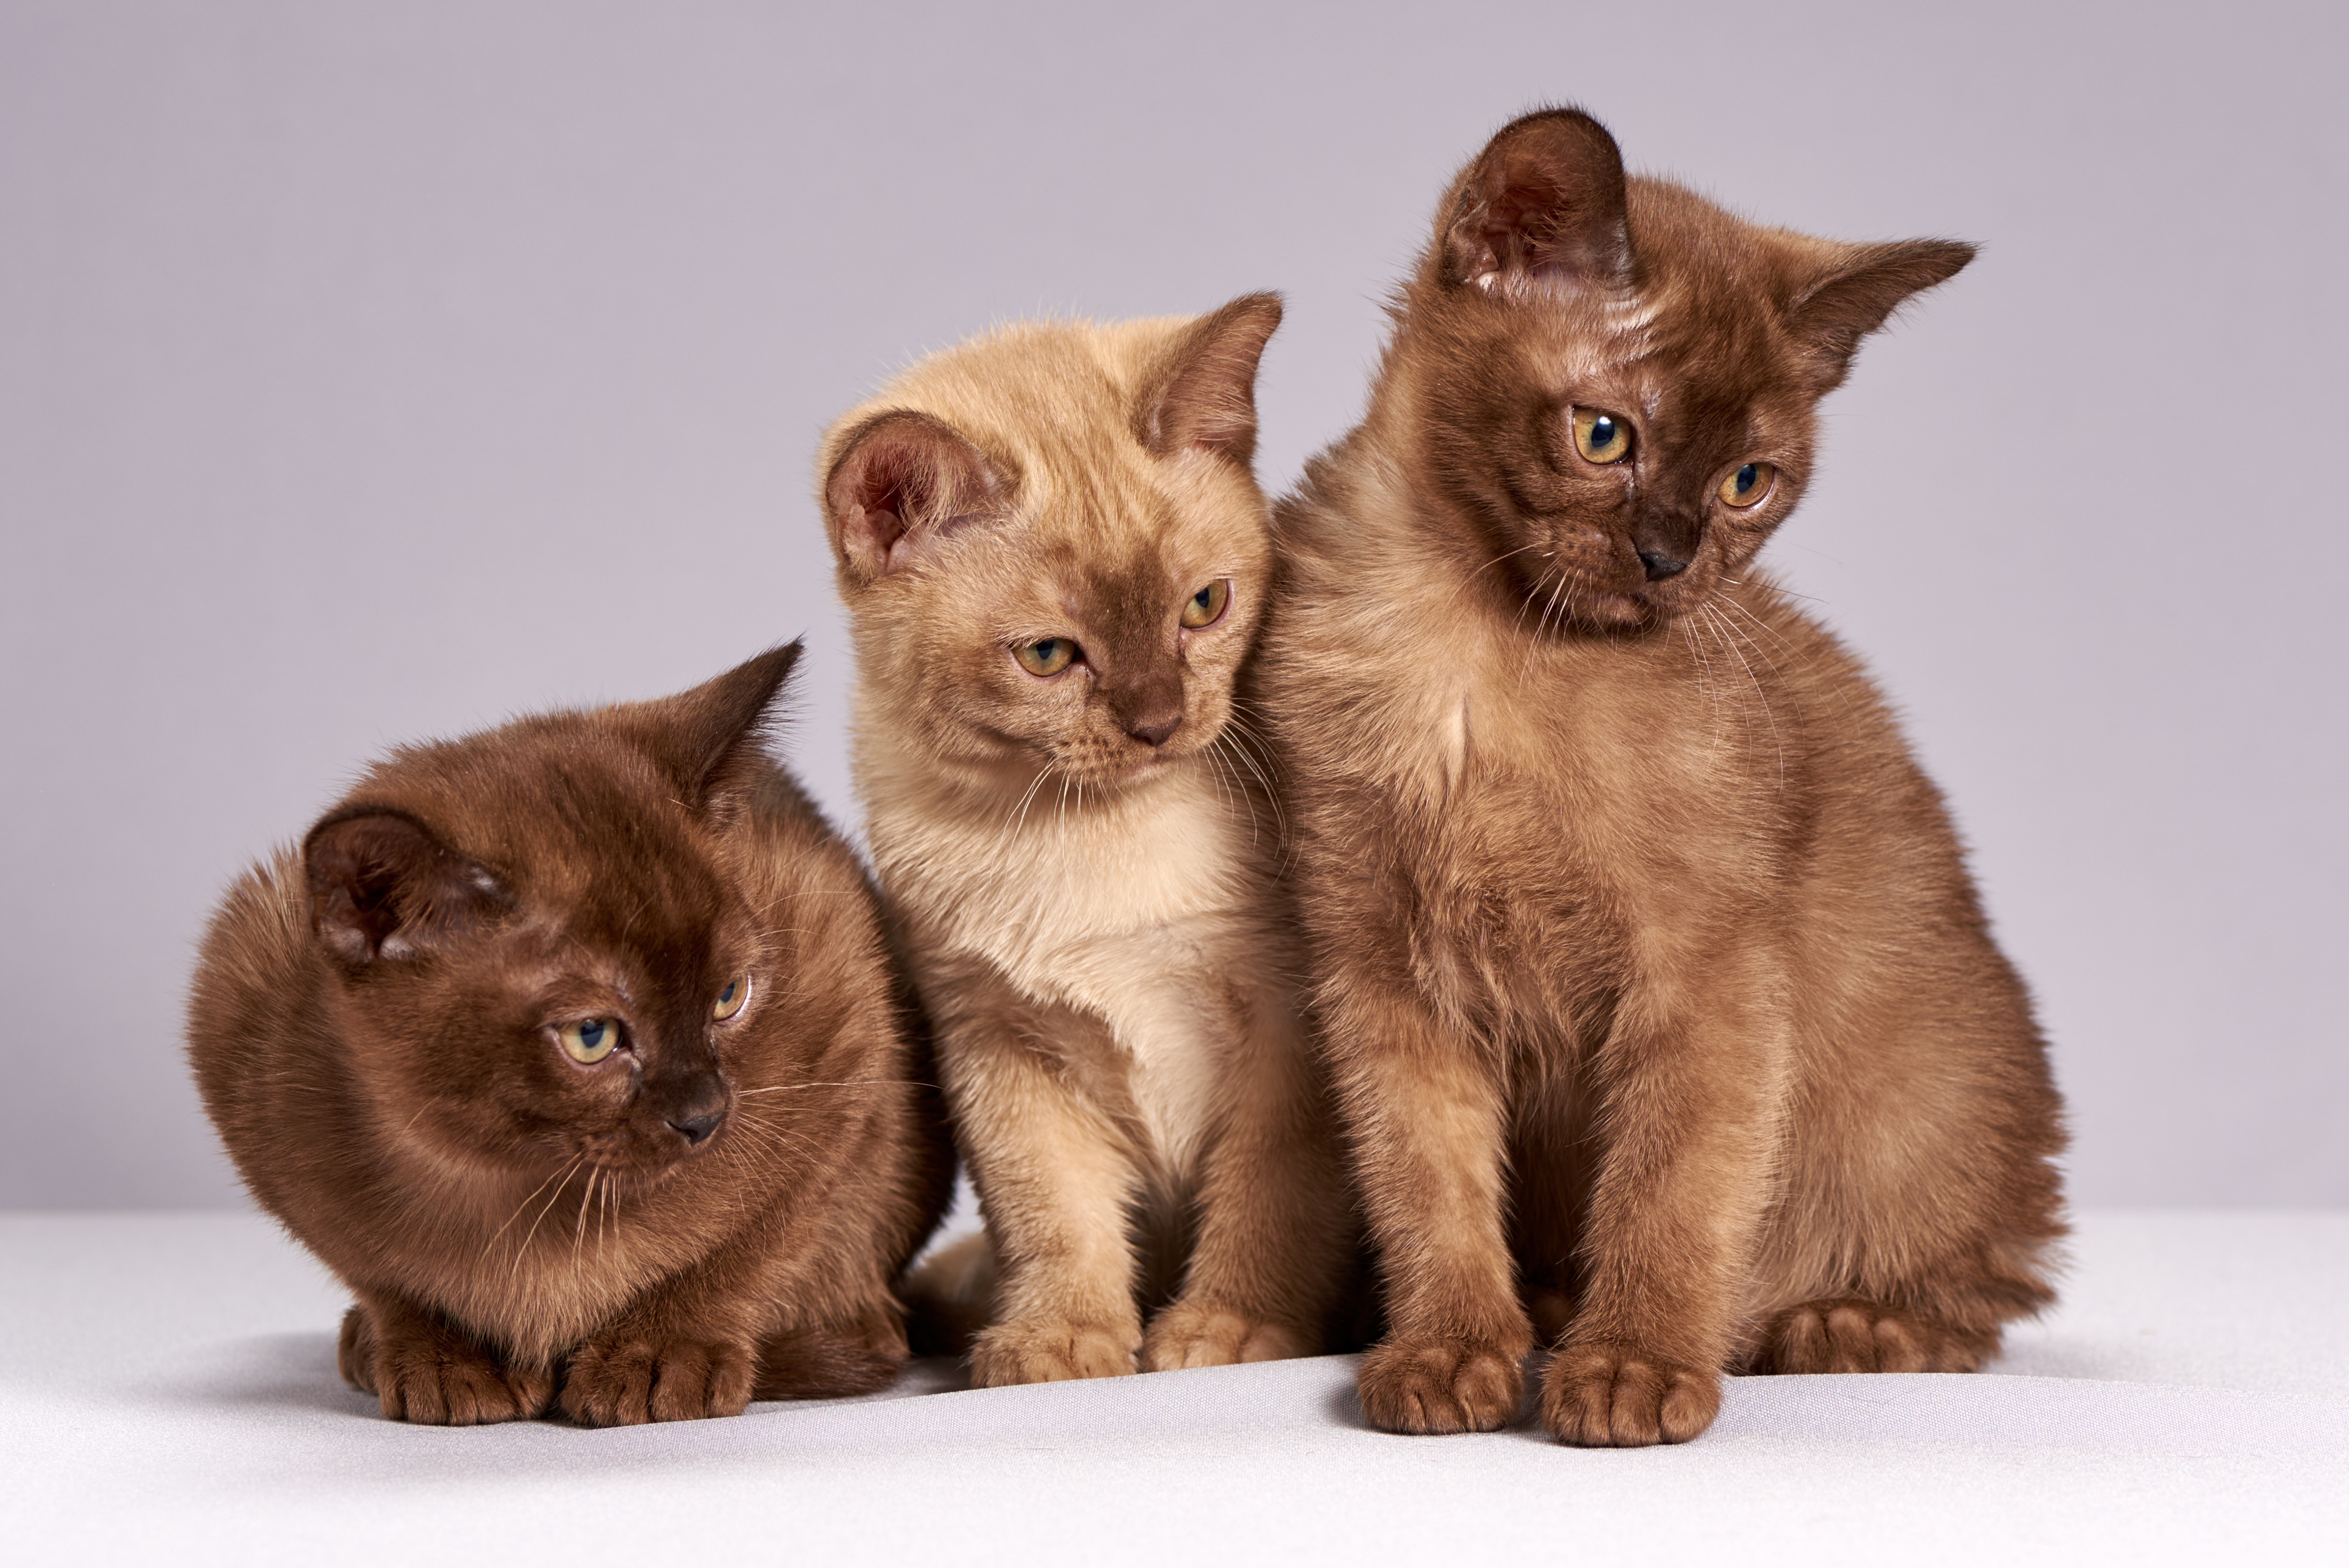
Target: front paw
<point>626,1380</point>
<point>1050,1351</point>
<point>1193,1333</point>
<point>1616,1396</point>
<point>1442,1385</point>
<point>427,1373</point>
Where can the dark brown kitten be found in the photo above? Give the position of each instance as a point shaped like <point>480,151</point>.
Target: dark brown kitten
<point>576,1048</point>
<point>1663,1013</point>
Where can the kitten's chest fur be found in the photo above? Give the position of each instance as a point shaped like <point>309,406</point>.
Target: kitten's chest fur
<point>1139,912</point>
<point>1614,800</point>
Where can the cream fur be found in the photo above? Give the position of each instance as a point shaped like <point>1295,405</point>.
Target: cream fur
<point>1093,915</point>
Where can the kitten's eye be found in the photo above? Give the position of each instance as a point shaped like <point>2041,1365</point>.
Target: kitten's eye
<point>1601,437</point>
<point>1748,485</point>
<point>1049,657</point>
<point>591,1041</point>
<point>730,1000</point>
<point>1206,607</point>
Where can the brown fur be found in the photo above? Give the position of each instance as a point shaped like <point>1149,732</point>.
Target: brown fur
<point>715,1211</point>
<point>1083,861</point>
<point>1664,1015</point>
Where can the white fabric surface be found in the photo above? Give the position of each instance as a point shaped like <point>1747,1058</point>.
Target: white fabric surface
<point>167,1393</point>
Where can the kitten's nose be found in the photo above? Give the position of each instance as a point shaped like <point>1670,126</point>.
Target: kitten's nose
<point>1659,566</point>
<point>1154,732</point>
<point>698,1112</point>
<point>696,1129</point>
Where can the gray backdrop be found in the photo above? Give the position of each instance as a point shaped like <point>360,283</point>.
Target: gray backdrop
<point>374,373</point>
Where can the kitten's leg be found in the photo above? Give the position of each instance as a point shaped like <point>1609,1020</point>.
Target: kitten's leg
<point>1274,1232</point>
<point>1691,1117</point>
<point>1427,1119</point>
<point>422,1367</point>
<point>1054,1182</point>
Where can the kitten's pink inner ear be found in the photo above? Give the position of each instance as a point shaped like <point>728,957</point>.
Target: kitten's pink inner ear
<point>383,886</point>
<point>1857,293</point>
<point>1203,395</point>
<point>902,482</point>
<point>1546,198</point>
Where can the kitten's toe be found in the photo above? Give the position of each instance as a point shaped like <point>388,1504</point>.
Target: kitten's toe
<point>1434,1386</point>
<point>435,1380</point>
<point>1847,1335</point>
<point>1012,1353</point>
<point>1616,1396</point>
<point>1191,1334</point>
<point>628,1382</point>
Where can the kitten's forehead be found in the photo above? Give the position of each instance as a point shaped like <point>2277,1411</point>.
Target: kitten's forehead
<point>1700,362</point>
<point>585,829</point>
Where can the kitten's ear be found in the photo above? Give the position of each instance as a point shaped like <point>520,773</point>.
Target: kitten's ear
<point>1544,200</point>
<point>902,482</point>
<point>1859,290</point>
<point>383,885</point>
<point>712,740</point>
<point>1202,394</point>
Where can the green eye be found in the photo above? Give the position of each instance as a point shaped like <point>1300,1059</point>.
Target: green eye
<point>1601,437</point>
<point>1748,485</point>
<point>730,1000</point>
<point>1206,607</point>
<point>1049,657</point>
<point>590,1040</point>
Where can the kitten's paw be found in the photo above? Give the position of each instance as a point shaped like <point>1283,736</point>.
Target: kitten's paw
<point>624,1381</point>
<point>1616,1396</point>
<point>1843,1335</point>
<point>829,1361</point>
<point>431,1377</point>
<point>1193,1333</point>
<point>1012,1353</point>
<point>1441,1386</point>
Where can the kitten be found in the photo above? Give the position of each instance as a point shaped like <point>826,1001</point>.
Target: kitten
<point>1055,555</point>
<point>1648,966</point>
<point>576,1049</point>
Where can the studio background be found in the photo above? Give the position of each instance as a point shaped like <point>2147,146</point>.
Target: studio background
<point>375,373</point>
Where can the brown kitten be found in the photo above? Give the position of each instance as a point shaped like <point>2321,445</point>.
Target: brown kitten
<point>576,1049</point>
<point>1055,553</point>
<point>1652,978</point>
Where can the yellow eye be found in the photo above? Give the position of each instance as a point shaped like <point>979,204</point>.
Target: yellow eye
<point>591,1041</point>
<point>1748,485</point>
<point>1206,607</point>
<point>730,1000</point>
<point>1049,657</point>
<point>1601,437</point>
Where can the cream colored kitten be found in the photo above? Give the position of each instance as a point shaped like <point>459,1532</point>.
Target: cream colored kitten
<point>1056,557</point>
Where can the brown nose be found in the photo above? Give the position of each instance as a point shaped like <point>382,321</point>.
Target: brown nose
<point>1153,729</point>
<point>1666,542</point>
<point>695,1112</point>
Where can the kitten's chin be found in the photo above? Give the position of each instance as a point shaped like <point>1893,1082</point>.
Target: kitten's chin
<point>1605,614</point>
<point>1614,612</point>
<point>634,1180</point>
